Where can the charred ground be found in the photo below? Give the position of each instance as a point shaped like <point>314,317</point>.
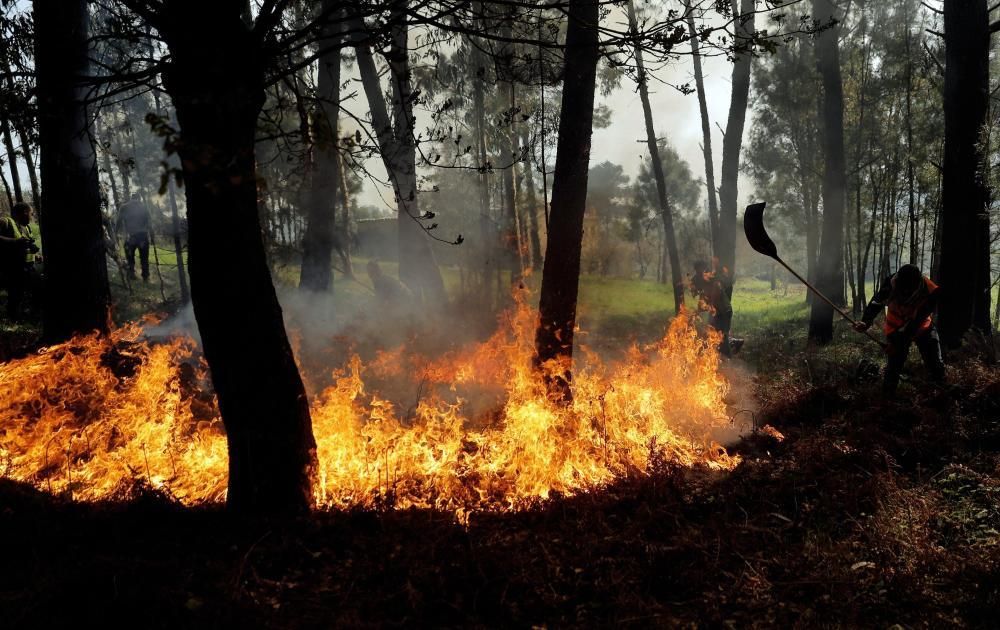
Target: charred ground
<point>869,512</point>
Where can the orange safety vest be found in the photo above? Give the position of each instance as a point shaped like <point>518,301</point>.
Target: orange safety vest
<point>898,315</point>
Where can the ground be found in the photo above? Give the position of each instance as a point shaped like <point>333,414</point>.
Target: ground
<point>869,512</point>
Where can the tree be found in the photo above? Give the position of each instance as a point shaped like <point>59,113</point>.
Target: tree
<point>830,270</point>
<point>743,23</point>
<point>215,76</point>
<point>397,147</point>
<point>666,214</point>
<point>317,245</point>
<point>77,296</point>
<point>706,133</point>
<point>561,271</point>
<point>965,228</point>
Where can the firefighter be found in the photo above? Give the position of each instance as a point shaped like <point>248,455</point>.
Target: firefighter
<point>713,291</point>
<point>134,217</point>
<point>17,256</point>
<point>909,299</point>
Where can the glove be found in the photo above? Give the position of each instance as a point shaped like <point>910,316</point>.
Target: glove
<point>861,326</point>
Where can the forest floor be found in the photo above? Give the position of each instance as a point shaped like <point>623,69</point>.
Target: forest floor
<point>870,512</point>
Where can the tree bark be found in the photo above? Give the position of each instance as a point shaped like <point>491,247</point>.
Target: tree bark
<point>830,269</point>
<point>215,78</point>
<point>706,135</point>
<point>317,246</point>
<point>732,142</point>
<point>76,296</point>
<point>965,229</point>
<point>666,214</point>
<point>561,271</point>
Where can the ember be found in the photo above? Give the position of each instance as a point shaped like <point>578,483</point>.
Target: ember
<point>91,417</point>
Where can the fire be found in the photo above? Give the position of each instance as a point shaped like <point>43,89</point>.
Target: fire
<point>90,417</point>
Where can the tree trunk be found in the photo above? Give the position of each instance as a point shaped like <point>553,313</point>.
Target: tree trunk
<point>666,214</point>
<point>706,134</point>
<point>417,267</point>
<point>561,272</point>
<point>15,177</point>
<point>29,162</point>
<point>830,270</point>
<point>216,81</point>
<point>733,140</point>
<point>77,294</point>
<point>533,229</point>
<point>175,221</point>
<point>965,229</point>
<point>6,189</point>
<point>317,246</point>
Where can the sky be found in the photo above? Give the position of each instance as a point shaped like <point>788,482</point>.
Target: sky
<point>675,117</point>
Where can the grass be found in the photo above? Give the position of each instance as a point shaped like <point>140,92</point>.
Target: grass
<point>614,311</point>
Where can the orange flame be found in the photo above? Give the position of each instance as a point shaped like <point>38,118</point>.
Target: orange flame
<point>91,416</point>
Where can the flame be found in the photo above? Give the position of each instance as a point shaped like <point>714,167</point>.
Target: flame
<point>90,417</point>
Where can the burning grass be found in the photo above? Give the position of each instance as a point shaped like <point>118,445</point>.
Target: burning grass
<point>90,417</point>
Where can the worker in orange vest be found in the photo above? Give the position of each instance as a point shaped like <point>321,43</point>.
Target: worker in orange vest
<point>909,299</point>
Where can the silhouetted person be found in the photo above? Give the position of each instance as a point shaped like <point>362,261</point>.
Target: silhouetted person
<point>388,290</point>
<point>134,218</point>
<point>909,299</point>
<point>17,256</point>
<point>713,291</point>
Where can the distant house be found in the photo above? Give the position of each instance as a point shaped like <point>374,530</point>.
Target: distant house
<point>377,238</point>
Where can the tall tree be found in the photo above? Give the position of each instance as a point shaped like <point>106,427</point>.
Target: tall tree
<point>965,228</point>
<point>830,270</point>
<point>216,78</point>
<point>706,132</point>
<point>77,294</point>
<point>397,146</point>
<point>732,142</point>
<point>317,245</point>
<point>666,214</point>
<point>561,271</point>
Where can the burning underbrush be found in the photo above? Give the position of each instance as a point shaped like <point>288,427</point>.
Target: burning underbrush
<point>92,417</point>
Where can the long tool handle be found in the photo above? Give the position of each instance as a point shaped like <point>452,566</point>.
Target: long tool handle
<point>842,312</point>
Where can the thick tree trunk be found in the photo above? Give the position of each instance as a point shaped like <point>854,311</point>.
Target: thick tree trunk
<point>706,135</point>
<point>666,214</point>
<point>732,142</point>
<point>561,272</point>
<point>965,229</point>
<point>830,270</point>
<point>216,81</point>
<point>317,246</point>
<point>77,294</point>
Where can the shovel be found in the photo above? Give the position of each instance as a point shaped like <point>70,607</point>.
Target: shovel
<point>753,225</point>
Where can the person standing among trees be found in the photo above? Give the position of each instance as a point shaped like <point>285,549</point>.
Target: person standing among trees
<point>909,299</point>
<point>17,256</point>
<point>134,217</point>
<point>714,291</point>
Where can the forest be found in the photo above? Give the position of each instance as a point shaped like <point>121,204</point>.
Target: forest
<point>493,313</point>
